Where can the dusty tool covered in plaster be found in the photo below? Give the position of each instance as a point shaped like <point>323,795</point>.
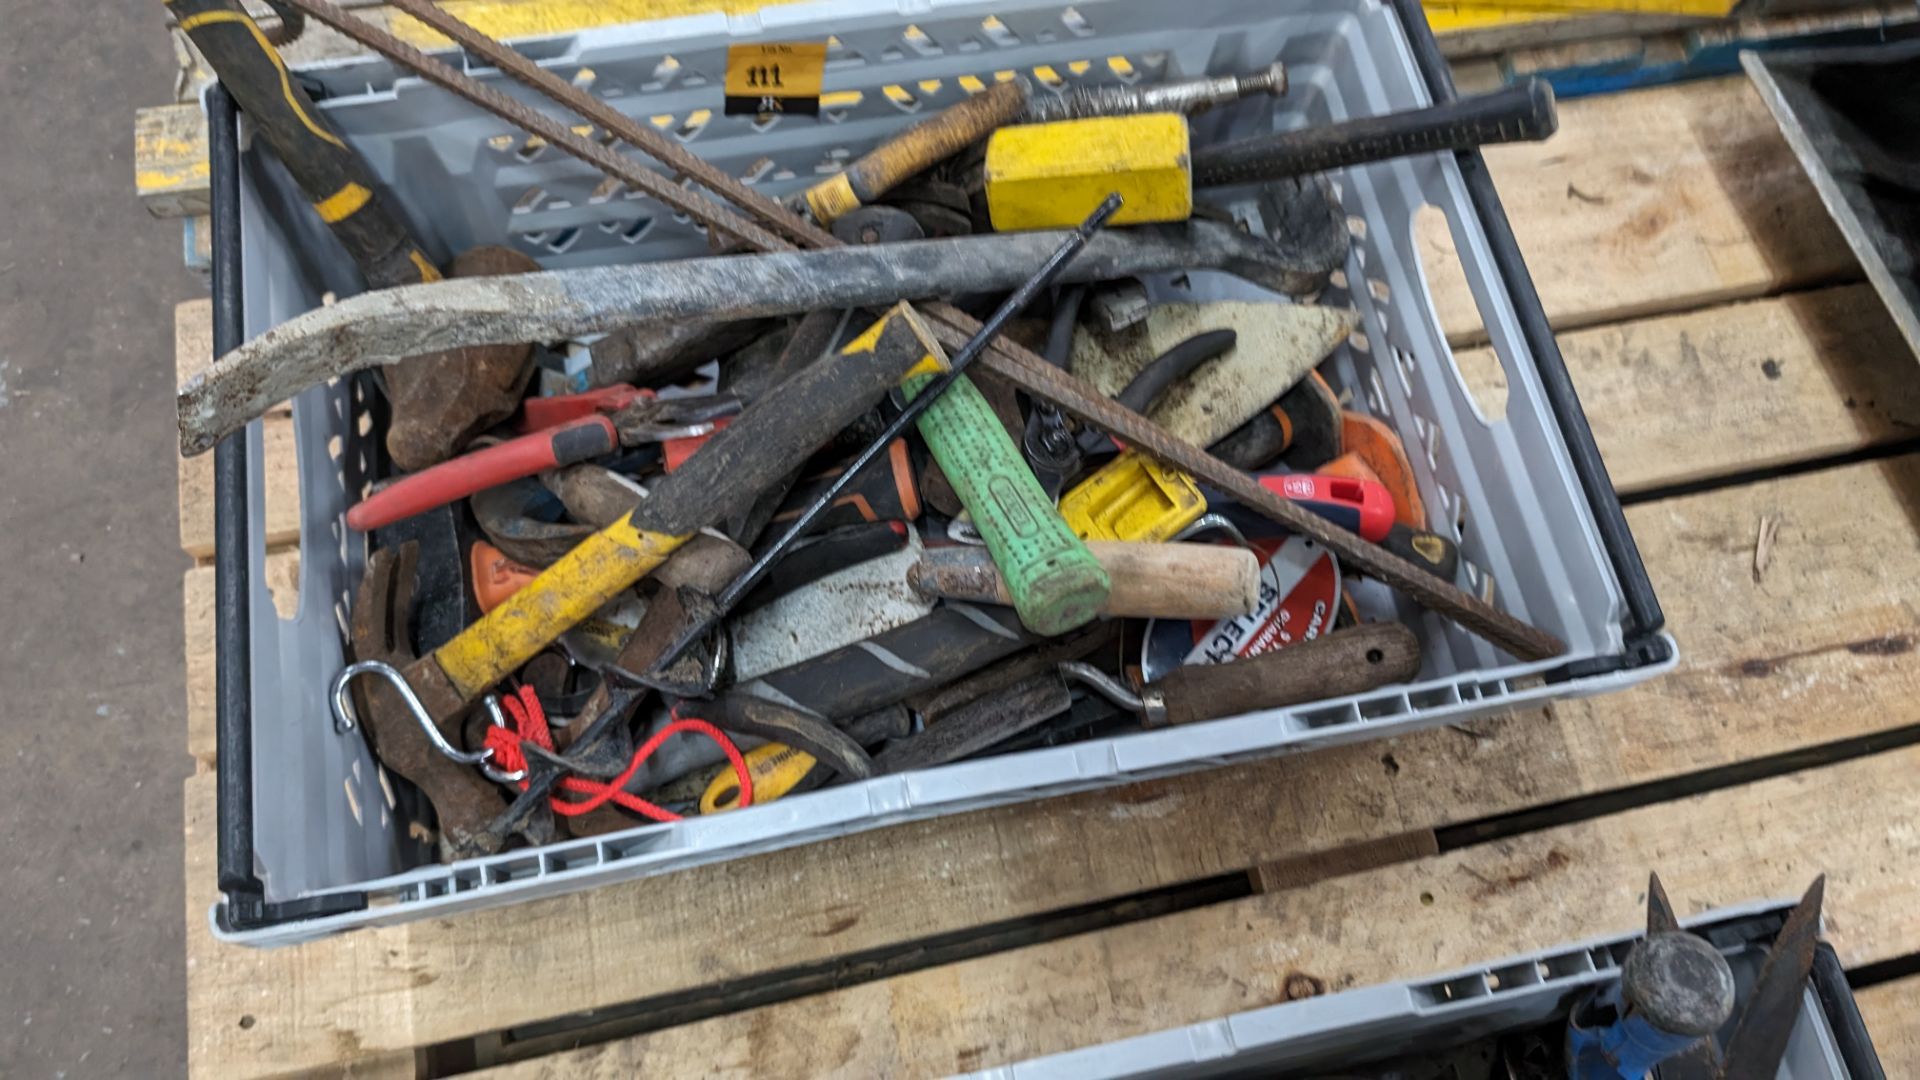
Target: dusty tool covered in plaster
<point>840,609</point>
<point>390,325</point>
<point>1276,346</point>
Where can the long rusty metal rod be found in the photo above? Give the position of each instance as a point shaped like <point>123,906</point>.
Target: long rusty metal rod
<point>1018,365</point>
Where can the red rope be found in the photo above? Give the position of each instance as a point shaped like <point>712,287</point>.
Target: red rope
<point>530,725</point>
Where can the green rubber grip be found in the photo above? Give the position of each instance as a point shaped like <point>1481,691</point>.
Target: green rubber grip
<point>1057,584</point>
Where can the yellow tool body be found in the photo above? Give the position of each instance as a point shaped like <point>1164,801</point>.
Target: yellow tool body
<point>582,582</point>
<point>1043,176</point>
<point>776,770</point>
<point>1133,498</point>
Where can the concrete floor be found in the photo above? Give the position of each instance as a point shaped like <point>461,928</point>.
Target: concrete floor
<point>93,979</point>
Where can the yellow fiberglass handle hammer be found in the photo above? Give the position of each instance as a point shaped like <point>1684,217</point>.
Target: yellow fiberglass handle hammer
<point>738,463</point>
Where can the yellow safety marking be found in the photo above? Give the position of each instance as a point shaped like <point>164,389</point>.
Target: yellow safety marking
<point>340,204</point>
<point>194,175</point>
<point>583,581</point>
<point>286,80</point>
<point>1445,16</point>
<point>503,19</point>
<point>429,273</point>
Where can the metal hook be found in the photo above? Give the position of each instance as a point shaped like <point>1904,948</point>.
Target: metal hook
<point>343,719</point>
<point>1150,703</point>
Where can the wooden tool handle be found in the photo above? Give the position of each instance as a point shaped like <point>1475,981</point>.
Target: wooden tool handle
<point>1523,112</point>
<point>1334,665</point>
<point>916,148</point>
<point>1169,581</point>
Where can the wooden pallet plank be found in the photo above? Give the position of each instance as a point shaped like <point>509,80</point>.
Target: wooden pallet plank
<point>192,353</point>
<point>196,588</point>
<point>1812,653</point>
<point>170,170</point>
<point>1805,374</point>
<point>1645,202</point>
<point>1459,909</point>
<point>1892,1013</point>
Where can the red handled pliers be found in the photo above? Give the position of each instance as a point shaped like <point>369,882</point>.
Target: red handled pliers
<point>562,430</point>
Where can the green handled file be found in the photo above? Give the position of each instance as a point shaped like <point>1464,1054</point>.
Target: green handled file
<point>1057,584</point>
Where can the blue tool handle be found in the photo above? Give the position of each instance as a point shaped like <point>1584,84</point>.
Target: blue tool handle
<point>1616,1043</point>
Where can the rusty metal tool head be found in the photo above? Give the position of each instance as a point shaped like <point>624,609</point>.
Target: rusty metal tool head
<point>463,799</point>
<point>442,400</point>
<point>1676,991</point>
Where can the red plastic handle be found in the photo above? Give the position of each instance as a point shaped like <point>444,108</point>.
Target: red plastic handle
<point>1365,506</point>
<point>541,413</point>
<point>588,437</point>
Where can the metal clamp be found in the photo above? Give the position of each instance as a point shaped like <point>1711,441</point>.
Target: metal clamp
<point>343,719</point>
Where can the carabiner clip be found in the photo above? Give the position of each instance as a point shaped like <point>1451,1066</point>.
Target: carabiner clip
<point>492,702</point>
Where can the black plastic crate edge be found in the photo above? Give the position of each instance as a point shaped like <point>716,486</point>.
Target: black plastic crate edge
<point>1644,616</point>
<point>1843,1016</point>
<point>244,906</point>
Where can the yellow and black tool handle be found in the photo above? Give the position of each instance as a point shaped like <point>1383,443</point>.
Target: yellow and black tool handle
<point>744,714</point>
<point>1344,662</point>
<point>1523,112</point>
<point>916,148</point>
<point>330,174</point>
<point>728,473</point>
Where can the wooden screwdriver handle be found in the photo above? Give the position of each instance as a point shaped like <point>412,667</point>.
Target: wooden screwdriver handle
<point>1167,581</point>
<point>1333,665</point>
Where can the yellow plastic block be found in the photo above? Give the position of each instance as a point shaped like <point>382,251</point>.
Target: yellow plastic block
<point>1051,176</point>
<point>1133,497</point>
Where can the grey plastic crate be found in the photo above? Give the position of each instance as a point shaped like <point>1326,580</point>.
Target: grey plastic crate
<point>1344,1031</point>
<point>326,822</point>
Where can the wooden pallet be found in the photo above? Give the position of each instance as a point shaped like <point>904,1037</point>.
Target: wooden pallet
<point>1735,372</point>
